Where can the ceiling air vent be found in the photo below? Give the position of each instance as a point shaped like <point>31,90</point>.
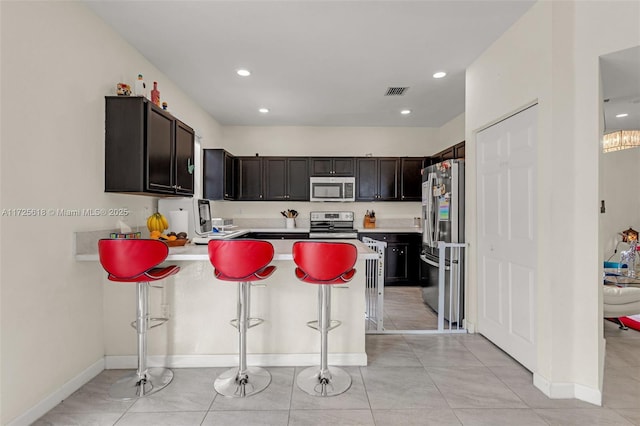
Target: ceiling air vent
<point>396,91</point>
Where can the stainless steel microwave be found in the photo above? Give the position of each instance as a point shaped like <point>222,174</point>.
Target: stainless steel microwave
<point>332,188</point>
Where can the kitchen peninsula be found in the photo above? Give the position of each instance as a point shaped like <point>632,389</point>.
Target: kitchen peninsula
<point>200,307</point>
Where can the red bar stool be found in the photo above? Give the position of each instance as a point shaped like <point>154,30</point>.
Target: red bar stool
<point>135,261</point>
<point>242,261</point>
<point>325,264</point>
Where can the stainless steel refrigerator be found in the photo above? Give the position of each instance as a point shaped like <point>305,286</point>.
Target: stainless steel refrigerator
<point>443,220</point>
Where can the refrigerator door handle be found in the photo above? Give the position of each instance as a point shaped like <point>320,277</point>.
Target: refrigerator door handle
<point>430,212</point>
<point>432,262</point>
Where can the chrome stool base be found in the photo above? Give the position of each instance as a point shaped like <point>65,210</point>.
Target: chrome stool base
<point>131,387</point>
<point>309,381</point>
<point>230,385</point>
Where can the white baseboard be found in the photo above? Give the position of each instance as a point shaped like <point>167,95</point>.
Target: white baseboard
<point>46,404</point>
<point>567,390</point>
<point>469,326</point>
<point>259,360</point>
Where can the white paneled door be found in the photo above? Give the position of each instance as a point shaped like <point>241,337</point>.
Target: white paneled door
<point>507,240</point>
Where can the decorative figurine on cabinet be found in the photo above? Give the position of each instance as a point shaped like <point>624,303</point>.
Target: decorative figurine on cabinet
<point>155,94</point>
<point>123,89</point>
<point>140,87</point>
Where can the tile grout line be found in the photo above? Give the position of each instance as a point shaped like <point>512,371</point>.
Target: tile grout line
<point>364,385</point>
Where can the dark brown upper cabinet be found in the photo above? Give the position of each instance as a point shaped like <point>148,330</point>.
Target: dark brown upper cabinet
<point>332,166</point>
<point>218,175</point>
<point>286,178</point>
<point>147,150</point>
<point>377,179</point>
<point>454,152</point>
<point>411,178</point>
<point>250,173</point>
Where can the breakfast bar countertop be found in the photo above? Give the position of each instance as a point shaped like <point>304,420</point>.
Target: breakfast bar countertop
<point>282,250</point>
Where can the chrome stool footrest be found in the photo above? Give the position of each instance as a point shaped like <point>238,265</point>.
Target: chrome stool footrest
<point>333,324</point>
<point>158,321</point>
<point>251,323</point>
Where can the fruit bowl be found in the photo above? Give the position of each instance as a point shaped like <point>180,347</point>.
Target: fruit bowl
<point>176,243</point>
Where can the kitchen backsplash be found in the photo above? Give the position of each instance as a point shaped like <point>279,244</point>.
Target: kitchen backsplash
<point>394,214</point>
<point>303,222</point>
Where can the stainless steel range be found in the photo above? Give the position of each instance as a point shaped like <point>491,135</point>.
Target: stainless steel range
<point>332,225</point>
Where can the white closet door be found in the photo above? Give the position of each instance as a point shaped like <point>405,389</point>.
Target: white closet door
<point>507,240</point>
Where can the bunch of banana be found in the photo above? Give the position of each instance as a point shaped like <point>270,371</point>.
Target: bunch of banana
<point>157,222</point>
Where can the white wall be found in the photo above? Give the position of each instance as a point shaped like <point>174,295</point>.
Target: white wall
<point>551,56</point>
<point>58,62</point>
<point>451,133</point>
<point>329,141</point>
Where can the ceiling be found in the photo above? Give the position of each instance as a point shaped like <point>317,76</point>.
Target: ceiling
<point>621,89</point>
<point>315,63</point>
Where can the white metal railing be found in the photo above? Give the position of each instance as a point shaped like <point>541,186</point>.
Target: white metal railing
<point>456,273</point>
<point>374,271</point>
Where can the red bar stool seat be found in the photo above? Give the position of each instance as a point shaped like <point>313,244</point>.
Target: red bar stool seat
<point>324,264</point>
<point>136,261</point>
<point>242,261</point>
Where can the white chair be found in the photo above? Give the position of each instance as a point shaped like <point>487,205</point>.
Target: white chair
<point>620,302</point>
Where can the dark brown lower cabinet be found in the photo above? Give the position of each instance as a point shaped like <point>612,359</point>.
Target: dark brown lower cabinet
<point>402,256</point>
<point>277,235</point>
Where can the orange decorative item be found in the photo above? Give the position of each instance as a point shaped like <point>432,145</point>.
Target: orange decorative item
<point>155,94</point>
<point>629,235</point>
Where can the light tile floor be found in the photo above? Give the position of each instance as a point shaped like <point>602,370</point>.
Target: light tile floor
<point>405,310</point>
<point>410,380</point>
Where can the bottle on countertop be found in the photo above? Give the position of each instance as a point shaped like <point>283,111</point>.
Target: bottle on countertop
<point>155,94</point>
<point>140,87</point>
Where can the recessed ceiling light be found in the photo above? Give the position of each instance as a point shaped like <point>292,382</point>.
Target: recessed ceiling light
<point>439,74</point>
<point>264,110</point>
<point>622,115</point>
<point>243,73</point>
<point>405,111</point>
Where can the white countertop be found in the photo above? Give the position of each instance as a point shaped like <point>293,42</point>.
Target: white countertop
<point>282,250</point>
<point>404,230</point>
